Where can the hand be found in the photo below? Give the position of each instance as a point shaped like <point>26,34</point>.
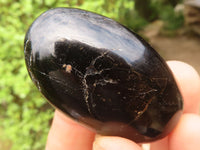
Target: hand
<point>66,134</point>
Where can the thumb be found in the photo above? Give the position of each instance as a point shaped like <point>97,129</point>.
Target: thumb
<point>114,143</point>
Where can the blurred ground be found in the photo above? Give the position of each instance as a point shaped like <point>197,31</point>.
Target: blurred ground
<point>182,47</point>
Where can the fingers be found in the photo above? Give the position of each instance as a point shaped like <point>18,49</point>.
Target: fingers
<point>67,134</point>
<point>160,144</point>
<point>189,84</point>
<point>188,81</point>
<point>114,143</point>
<point>186,135</point>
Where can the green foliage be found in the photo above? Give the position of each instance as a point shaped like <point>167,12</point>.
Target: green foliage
<point>171,19</point>
<point>24,114</point>
<point>160,9</point>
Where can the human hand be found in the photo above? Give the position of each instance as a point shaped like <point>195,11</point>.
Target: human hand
<point>65,134</point>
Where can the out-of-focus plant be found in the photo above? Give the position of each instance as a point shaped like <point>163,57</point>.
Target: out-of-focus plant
<point>172,20</point>
<point>24,114</point>
<point>151,10</point>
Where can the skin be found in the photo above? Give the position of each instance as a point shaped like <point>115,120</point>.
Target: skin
<point>67,134</point>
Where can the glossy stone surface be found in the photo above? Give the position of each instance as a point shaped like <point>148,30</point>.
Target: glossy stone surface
<point>102,75</point>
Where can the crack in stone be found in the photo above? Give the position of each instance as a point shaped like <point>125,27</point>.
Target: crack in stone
<point>102,55</point>
<point>84,83</point>
<point>85,88</point>
<point>139,113</point>
<point>86,92</point>
<point>104,82</point>
<point>91,71</point>
<point>161,83</point>
<point>50,77</point>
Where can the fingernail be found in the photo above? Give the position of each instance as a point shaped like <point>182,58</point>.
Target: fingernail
<point>114,143</point>
<point>96,143</point>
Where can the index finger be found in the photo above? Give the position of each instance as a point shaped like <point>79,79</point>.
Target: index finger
<point>188,82</point>
<point>67,134</point>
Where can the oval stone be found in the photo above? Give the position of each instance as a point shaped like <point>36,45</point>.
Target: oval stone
<point>102,75</point>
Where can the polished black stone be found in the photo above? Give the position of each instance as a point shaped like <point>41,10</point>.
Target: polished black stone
<point>102,75</point>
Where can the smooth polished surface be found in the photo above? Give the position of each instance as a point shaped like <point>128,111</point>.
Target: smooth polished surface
<point>102,75</point>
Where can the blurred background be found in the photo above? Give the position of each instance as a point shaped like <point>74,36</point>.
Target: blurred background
<point>172,27</point>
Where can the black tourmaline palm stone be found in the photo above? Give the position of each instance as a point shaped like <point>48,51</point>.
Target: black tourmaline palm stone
<point>102,75</point>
